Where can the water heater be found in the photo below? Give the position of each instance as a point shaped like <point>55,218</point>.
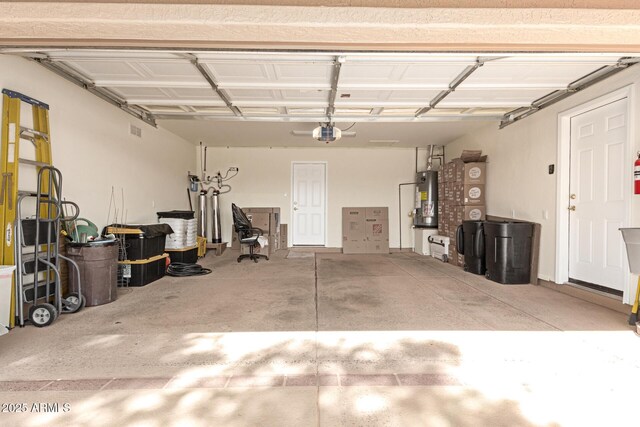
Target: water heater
<point>426,208</point>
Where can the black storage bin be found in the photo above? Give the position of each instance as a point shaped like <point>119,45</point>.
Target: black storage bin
<point>187,256</point>
<point>470,243</point>
<point>140,242</point>
<point>138,246</point>
<point>176,214</point>
<point>508,251</point>
<point>142,272</point>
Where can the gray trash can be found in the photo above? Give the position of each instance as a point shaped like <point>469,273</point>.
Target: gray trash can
<point>98,265</point>
<point>508,251</point>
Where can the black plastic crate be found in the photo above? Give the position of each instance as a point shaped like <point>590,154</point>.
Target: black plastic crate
<point>138,247</point>
<point>142,273</point>
<point>189,256</point>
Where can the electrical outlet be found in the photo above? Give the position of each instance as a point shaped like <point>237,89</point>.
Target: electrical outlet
<point>153,203</point>
<point>545,214</point>
<point>513,213</point>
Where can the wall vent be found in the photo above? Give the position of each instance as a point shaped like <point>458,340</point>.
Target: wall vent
<point>135,131</point>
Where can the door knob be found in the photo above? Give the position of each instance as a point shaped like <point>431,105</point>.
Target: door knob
<point>572,208</point>
<point>572,197</point>
<point>295,209</point>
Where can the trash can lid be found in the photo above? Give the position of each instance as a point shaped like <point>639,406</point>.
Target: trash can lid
<point>92,243</point>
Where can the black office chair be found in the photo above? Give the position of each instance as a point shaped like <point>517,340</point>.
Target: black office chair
<point>247,235</point>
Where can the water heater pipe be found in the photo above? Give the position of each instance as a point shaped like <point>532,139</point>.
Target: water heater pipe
<point>400,208</point>
<point>430,158</point>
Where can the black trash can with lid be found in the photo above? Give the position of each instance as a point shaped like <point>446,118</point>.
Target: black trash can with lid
<point>98,266</point>
<point>470,243</point>
<point>508,251</point>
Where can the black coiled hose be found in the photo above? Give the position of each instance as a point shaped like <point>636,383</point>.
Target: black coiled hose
<point>181,269</point>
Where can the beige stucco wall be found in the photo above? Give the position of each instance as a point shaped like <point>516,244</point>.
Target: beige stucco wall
<point>250,26</point>
<point>591,4</point>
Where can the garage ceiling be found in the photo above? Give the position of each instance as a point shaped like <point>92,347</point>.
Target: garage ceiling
<point>313,87</point>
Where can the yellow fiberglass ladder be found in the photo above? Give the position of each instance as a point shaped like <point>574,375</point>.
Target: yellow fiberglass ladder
<point>12,135</point>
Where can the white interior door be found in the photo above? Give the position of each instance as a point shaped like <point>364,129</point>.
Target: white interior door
<point>598,145</point>
<point>309,189</point>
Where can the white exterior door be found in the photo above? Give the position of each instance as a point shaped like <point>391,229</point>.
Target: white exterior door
<point>598,145</point>
<point>309,205</point>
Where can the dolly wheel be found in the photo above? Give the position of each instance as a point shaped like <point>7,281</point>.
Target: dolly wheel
<point>445,258</point>
<point>73,303</point>
<point>42,315</point>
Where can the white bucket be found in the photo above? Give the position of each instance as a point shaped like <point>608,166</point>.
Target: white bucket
<point>6,275</point>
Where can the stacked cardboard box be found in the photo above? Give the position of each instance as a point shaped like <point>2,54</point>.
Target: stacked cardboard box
<point>461,197</point>
<point>365,230</point>
<point>266,219</point>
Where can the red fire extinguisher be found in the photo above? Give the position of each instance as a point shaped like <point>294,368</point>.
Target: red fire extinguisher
<point>636,176</point>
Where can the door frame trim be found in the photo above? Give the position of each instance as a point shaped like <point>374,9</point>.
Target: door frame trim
<point>564,177</point>
<point>326,198</point>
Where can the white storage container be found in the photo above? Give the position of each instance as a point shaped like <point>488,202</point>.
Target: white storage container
<point>6,276</point>
<point>421,240</point>
<point>439,247</point>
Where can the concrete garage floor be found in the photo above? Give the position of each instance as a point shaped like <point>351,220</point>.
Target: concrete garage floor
<point>330,340</point>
